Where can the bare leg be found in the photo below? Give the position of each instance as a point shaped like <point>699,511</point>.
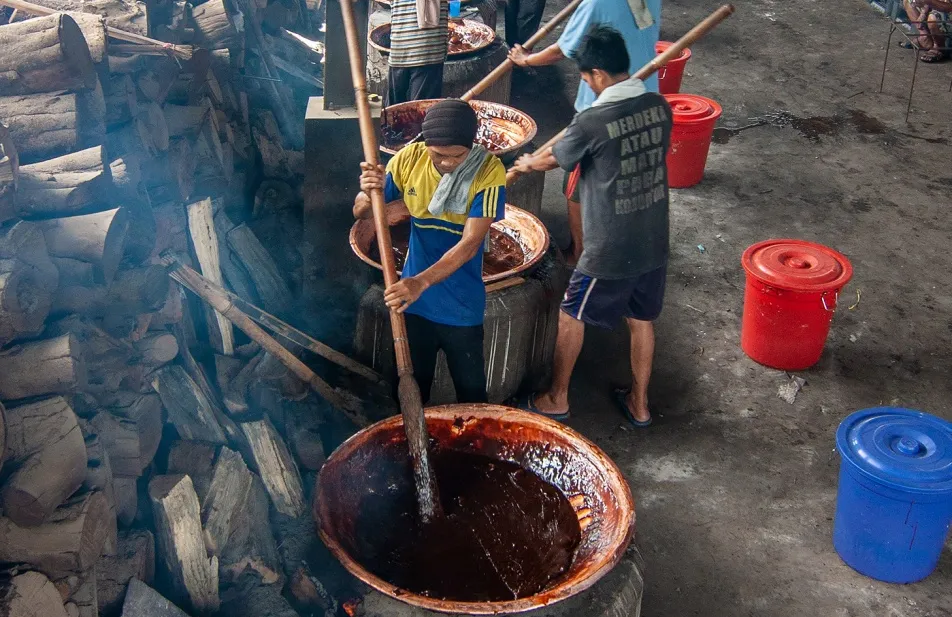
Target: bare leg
<point>575,228</point>
<point>642,356</point>
<point>938,35</point>
<point>915,18</point>
<point>568,345</point>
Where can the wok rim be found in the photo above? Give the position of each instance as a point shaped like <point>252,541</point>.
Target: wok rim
<point>450,54</point>
<point>613,475</point>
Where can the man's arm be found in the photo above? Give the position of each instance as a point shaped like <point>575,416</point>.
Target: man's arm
<point>550,55</point>
<point>544,161</point>
<point>370,180</point>
<point>406,291</point>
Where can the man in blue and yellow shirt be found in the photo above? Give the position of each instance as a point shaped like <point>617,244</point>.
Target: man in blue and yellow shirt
<point>454,190</point>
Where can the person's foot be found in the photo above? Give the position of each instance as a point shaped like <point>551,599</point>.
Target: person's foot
<point>635,410</point>
<point>546,405</point>
<point>932,56</point>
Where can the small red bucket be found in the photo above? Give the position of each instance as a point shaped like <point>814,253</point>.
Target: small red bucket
<point>670,75</point>
<point>694,119</point>
<point>791,294</point>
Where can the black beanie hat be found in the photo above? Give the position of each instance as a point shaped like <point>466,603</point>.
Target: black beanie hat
<point>450,122</point>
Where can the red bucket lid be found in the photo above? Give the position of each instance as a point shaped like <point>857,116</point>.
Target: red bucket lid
<point>797,265</point>
<point>661,46</point>
<point>692,109</point>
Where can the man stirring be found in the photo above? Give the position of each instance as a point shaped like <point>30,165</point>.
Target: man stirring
<point>453,190</point>
<point>619,144</point>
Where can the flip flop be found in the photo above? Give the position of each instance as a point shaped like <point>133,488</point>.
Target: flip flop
<point>621,397</point>
<point>528,404</point>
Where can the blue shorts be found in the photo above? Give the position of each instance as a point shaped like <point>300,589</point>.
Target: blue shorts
<point>604,302</point>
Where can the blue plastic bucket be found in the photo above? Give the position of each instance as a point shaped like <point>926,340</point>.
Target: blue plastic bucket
<point>894,504</point>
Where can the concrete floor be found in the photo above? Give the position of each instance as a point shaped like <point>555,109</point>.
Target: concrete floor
<point>735,487</point>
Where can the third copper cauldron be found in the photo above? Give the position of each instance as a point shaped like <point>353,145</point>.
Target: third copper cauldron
<point>503,130</point>
<point>578,468</point>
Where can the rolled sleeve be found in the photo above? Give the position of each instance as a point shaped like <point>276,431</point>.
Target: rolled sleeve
<point>572,148</point>
<point>576,29</point>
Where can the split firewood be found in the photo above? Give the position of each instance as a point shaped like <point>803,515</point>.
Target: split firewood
<point>134,560</point>
<point>155,82</point>
<point>128,139</point>
<point>93,28</point>
<point>70,541</point>
<point>106,358</point>
<point>83,593</point>
<point>278,161</point>
<point>121,100</point>
<point>196,459</point>
<point>48,125</point>
<point>251,545</point>
<point>226,369</point>
<point>205,241</point>
<point>171,228</point>
<point>98,238</point>
<point>75,271</point>
<point>25,299</point>
<point>303,430</point>
<point>130,63</point>
<point>131,445</point>
<point>236,396</point>
<point>189,409</point>
<point>187,120</point>
<point>126,173</point>
<point>30,594</point>
<point>45,446</point>
<point>274,464</point>
<point>151,119</point>
<point>227,494</point>
<point>137,290</point>
<point>99,477</point>
<point>51,366</point>
<point>143,601</point>
<point>214,24</point>
<point>64,185</point>
<point>171,311</point>
<point>268,281</point>
<point>259,600</point>
<point>171,177</point>
<point>126,490</point>
<point>45,54</point>
<point>234,271</point>
<point>310,592</point>
<point>156,349</point>
<point>193,576</point>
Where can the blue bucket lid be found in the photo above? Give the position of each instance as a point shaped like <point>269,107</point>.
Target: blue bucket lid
<point>899,448</point>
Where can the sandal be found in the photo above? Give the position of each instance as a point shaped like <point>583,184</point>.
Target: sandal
<point>528,404</point>
<point>621,397</point>
<point>933,56</point>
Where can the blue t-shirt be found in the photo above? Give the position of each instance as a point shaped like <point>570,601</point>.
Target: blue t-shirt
<point>460,299</point>
<point>616,14</point>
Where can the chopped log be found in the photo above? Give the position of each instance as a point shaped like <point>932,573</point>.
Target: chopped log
<point>25,300</point>
<point>155,82</point>
<point>93,28</point>
<point>98,238</point>
<point>156,349</point>
<point>121,100</point>
<point>51,366</point>
<point>137,290</point>
<point>135,560</point>
<point>130,446</point>
<point>127,498</point>
<point>129,64</point>
<point>310,592</point>
<point>127,139</point>
<point>46,447</point>
<point>171,228</point>
<point>152,122</point>
<point>74,271</point>
<point>143,601</point>
<point>9,169</point>
<point>99,477</point>
<point>235,273</point>
<point>201,227</point>
<point>171,311</point>
<point>303,430</point>
<point>64,185</point>
<point>187,120</point>
<point>189,409</point>
<point>120,14</point>
<point>106,359</point>
<point>236,396</point>
<point>227,494</point>
<point>193,576</point>
<point>85,595</point>
<point>196,459</point>
<point>278,161</point>
<point>226,369</point>
<point>214,26</point>
<point>270,285</point>
<point>48,125</point>
<point>126,173</point>
<point>259,600</point>
<point>251,545</point>
<point>45,54</point>
<point>274,464</point>
<point>171,177</point>
<point>70,541</point>
<point>30,594</point>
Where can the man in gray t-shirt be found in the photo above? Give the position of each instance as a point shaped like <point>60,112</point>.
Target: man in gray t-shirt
<point>620,144</point>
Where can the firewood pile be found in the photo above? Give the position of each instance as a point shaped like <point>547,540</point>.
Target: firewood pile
<point>150,446</point>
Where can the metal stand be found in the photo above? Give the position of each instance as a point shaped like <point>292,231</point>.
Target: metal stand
<point>913,40</point>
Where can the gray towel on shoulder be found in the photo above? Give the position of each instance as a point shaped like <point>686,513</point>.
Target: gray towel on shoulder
<point>452,193</point>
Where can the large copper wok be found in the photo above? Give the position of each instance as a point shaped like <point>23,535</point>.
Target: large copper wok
<point>525,228</point>
<point>591,481</point>
<point>466,36</point>
<point>502,129</point>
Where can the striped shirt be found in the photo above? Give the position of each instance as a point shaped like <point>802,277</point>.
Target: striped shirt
<point>411,45</point>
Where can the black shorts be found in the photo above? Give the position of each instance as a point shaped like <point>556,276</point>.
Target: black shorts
<point>604,302</point>
<point>414,83</point>
<point>463,346</point>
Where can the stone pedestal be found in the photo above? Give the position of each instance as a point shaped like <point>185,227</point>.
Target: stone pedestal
<point>617,594</point>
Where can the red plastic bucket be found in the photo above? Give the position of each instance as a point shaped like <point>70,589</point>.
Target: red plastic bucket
<point>791,294</point>
<point>670,75</point>
<point>694,119</point>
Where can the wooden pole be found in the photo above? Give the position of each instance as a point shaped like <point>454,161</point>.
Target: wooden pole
<point>411,404</point>
<point>693,35</point>
<point>182,51</point>
<point>203,288</point>
<point>534,40</point>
